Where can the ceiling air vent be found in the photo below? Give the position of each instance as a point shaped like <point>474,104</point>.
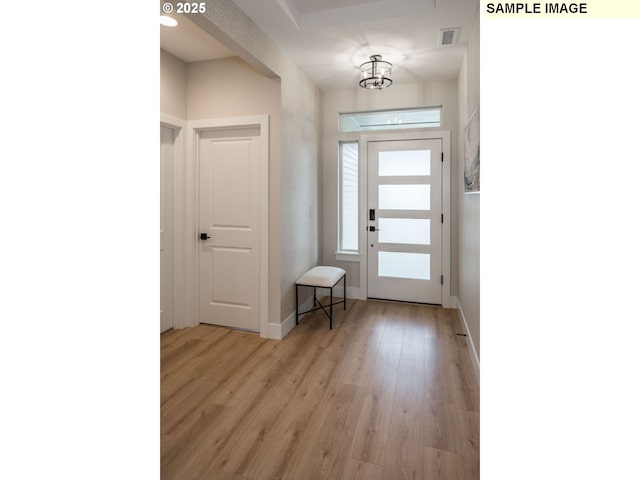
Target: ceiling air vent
<point>448,36</point>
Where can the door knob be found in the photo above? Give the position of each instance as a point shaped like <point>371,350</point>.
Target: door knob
<point>204,236</point>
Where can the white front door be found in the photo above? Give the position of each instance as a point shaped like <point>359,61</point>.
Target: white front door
<point>229,220</point>
<point>404,220</point>
<point>166,228</point>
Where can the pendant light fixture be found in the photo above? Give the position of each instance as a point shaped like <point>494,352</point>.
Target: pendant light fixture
<point>376,73</point>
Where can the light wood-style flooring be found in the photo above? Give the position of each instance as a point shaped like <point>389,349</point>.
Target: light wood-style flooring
<point>389,393</point>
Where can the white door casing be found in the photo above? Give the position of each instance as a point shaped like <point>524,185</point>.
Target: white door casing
<point>231,263</point>
<point>177,188</point>
<point>166,227</point>
<point>404,229</point>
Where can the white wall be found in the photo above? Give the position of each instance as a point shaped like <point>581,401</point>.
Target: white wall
<point>173,85</point>
<point>231,87</point>
<point>469,205</point>
<point>357,99</point>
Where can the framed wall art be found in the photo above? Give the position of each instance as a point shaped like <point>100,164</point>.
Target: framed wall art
<point>472,154</point>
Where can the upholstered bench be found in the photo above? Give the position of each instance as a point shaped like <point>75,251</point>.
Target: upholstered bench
<point>323,277</point>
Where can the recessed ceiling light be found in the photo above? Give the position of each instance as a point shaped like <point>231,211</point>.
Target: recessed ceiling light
<point>168,21</point>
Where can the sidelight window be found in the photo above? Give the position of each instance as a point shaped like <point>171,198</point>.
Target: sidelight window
<point>348,225</point>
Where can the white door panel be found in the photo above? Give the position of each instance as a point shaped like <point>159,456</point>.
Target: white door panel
<point>229,207</point>
<point>404,226</point>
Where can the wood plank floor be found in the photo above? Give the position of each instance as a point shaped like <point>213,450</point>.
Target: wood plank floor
<point>389,393</point>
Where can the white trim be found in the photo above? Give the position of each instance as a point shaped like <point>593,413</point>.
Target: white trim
<point>449,302</point>
<point>171,121</point>
<point>347,256</point>
<point>191,227</point>
<point>363,155</point>
<point>473,354</point>
<point>446,211</point>
<point>191,209</point>
<point>340,204</point>
<point>278,331</point>
<point>363,165</point>
<point>178,125</point>
<point>352,292</point>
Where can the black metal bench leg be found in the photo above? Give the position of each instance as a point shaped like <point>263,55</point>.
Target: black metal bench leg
<point>296,304</point>
<point>331,309</point>
<point>344,290</point>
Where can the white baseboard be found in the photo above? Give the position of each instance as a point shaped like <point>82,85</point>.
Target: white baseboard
<point>473,354</point>
<point>353,292</point>
<point>450,302</point>
<point>278,331</point>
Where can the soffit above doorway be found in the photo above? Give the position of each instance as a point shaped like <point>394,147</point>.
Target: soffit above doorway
<point>190,43</point>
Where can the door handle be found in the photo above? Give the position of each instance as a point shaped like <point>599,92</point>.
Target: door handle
<point>204,236</point>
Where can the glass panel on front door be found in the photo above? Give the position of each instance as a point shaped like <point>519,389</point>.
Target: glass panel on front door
<point>404,265</point>
<point>407,163</point>
<point>404,197</point>
<point>407,231</point>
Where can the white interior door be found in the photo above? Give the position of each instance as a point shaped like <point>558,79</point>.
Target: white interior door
<point>229,219</point>
<point>404,225</point>
<point>166,228</point>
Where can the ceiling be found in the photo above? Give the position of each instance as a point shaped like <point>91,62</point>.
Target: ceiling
<point>329,39</point>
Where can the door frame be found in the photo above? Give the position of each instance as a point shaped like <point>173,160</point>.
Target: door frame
<point>192,213</point>
<point>363,148</point>
<point>178,126</point>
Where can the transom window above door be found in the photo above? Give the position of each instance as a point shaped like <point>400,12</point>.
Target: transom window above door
<point>419,117</point>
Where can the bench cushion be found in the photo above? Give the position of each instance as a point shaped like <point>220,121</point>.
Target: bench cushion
<point>321,277</point>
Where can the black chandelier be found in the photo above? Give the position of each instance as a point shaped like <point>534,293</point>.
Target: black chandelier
<point>376,73</point>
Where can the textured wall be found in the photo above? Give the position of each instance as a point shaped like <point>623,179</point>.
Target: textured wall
<point>297,248</point>
<point>469,205</point>
<point>299,189</point>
